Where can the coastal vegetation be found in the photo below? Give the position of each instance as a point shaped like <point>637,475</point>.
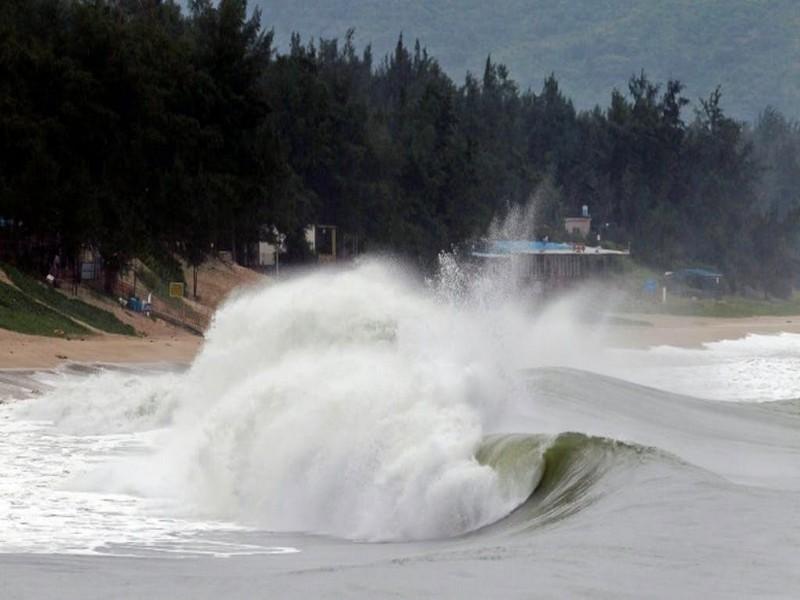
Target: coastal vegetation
<point>729,307</point>
<point>140,130</point>
<point>21,313</point>
<point>750,48</point>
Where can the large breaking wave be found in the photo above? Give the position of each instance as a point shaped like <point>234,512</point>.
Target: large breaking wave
<point>361,404</point>
<point>350,403</point>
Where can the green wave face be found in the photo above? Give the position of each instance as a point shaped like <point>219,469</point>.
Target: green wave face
<point>518,459</point>
<point>563,473</point>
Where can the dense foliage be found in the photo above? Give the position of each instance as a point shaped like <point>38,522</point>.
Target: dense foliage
<point>136,128</point>
<point>748,47</point>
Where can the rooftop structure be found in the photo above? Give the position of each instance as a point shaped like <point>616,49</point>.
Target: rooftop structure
<point>578,225</point>
<point>508,248</point>
<point>551,263</point>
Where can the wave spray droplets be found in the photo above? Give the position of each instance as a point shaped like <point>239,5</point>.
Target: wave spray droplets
<point>347,403</point>
<point>362,404</point>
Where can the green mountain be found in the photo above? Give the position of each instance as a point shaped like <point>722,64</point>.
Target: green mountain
<point>749,47</point>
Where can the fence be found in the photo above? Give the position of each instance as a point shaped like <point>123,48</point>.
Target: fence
<point>175,311</point>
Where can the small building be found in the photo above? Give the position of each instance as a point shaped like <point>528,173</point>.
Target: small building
<point>579,226</point>
<point>552,264</point>
<point>266,254</point>
<point>698,282</point>
<point>321,240</point>
<point>91,264</point>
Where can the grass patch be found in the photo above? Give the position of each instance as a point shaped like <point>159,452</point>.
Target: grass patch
<point>729,307</point>
<point>632,279</point>
<point>21,313</point>
<point>77,309</point>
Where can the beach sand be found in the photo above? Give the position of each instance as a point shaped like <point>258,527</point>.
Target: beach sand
<point>19,351</point>
<point>647,330</point>
<point>156,340</point>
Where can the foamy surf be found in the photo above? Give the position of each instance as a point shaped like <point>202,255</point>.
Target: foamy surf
<point>48,508</point>
<point>755,368</point>
<point>349,404</point>
<point>362,405</point>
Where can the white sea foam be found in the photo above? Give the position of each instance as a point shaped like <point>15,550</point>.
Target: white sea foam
<point>345,402</point>
<point>45,509</point>
<point>349,402</point>
<point>106,402</point>
<point>753,368</point>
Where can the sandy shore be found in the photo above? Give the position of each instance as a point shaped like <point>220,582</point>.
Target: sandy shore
<point>692,332</point>
<point>18,351</point>
<point>157,341</point>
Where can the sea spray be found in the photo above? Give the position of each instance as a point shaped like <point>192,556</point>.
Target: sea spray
<point>347,402</point>
<point>107,402</point>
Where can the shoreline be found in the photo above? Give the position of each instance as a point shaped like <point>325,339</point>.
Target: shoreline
<point>652,330</point>
<point>634,331</point>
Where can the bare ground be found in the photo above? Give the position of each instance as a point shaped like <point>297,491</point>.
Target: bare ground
<point>157,340</point>
<point>667,330</point>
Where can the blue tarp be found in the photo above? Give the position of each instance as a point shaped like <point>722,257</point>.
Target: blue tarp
<point>135,304</point>
<point>524,247</point>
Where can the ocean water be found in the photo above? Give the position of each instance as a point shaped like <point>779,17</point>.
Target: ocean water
<point>357,433</point>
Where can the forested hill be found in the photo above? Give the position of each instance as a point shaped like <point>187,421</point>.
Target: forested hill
<point>138,129</point>
<point>749,47</point>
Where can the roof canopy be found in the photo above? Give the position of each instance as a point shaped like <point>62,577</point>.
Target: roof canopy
<point>496,248</point>
<point>697,272</point>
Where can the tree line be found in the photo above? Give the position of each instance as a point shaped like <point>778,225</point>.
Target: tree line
<point>139,128</point>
